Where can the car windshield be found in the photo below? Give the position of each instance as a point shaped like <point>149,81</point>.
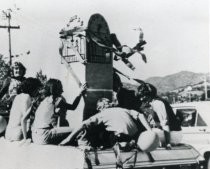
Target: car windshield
<point>188,118</point>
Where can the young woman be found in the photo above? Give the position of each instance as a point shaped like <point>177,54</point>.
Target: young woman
<point>45,130</point>
<point>20,111</point>
<point>11,85</point>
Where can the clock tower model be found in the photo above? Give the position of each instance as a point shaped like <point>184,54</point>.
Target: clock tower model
<point>99,68</point>
<point>85,52</point>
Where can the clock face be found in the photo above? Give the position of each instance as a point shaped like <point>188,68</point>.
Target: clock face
<point>98,31</point>
<point>98,26</point>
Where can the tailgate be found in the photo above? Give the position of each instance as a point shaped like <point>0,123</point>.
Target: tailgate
<point>179,155</point>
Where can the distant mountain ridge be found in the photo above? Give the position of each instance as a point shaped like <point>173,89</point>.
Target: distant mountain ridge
<point>177,80</point>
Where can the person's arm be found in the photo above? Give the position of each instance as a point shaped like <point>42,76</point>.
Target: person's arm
<point>26,112</point>
<point>85,124</point>
<point>139,116</point>
<point>160,110</point>
<point>73,135</point>
<point>167,139</point>
<point>167,135</point>
<point>24,123</point>
<point>68,106</point>
<point>144,122</point>
<point>74,105</point>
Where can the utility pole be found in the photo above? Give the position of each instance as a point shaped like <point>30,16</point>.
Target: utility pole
<point>205,87</point>
<point>9,27</point>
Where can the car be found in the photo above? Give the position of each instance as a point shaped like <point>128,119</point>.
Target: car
<point>195,122</point>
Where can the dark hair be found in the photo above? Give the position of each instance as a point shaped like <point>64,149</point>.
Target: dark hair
<point>148,89</point>
<point>53,87</point>
<point>21,66</point>
<point>30,85</point>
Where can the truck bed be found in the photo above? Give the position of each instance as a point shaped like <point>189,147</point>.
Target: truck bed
<point>15,155</point>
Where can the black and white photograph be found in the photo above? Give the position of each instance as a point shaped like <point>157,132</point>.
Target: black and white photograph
<point>104,84</point>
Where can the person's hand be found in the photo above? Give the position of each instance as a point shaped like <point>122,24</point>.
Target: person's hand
<point>64,142</point>
<point>84,61</point>
<point>168,146</point>
<point>129,145</point>
<point>83,88</point>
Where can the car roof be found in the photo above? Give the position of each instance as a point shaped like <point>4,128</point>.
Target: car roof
<point>202,107</point>
<point>198,105</point>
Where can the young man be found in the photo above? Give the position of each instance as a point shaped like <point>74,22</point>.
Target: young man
<point>166,124</point>
<point>119,125</point>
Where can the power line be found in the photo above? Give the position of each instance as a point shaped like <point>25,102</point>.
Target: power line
<point>9,27</point>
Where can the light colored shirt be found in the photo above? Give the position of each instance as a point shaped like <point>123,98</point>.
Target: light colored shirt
<point>116,120</point>
<point>159,107</point>
<point>44,115</point>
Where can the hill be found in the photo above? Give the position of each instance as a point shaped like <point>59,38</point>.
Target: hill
<point>175,81</point>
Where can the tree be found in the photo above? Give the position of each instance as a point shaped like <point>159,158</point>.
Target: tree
<point>41,77</point>
<point>4,70</point>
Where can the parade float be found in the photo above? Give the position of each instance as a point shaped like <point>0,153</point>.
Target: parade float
<point>87,53</point>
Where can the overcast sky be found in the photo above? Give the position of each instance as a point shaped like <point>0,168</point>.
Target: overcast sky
<point>176,31</point>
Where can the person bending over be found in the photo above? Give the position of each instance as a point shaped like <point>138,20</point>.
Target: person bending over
<point>119,125</point>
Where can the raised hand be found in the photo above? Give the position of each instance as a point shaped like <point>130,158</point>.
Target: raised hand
<point>83,88</point>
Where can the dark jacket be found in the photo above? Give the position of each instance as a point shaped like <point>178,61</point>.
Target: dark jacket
<point>127,99</point>
<point>174,122</point>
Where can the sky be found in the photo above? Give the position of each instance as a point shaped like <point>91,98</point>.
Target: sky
<point>176,31</point>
